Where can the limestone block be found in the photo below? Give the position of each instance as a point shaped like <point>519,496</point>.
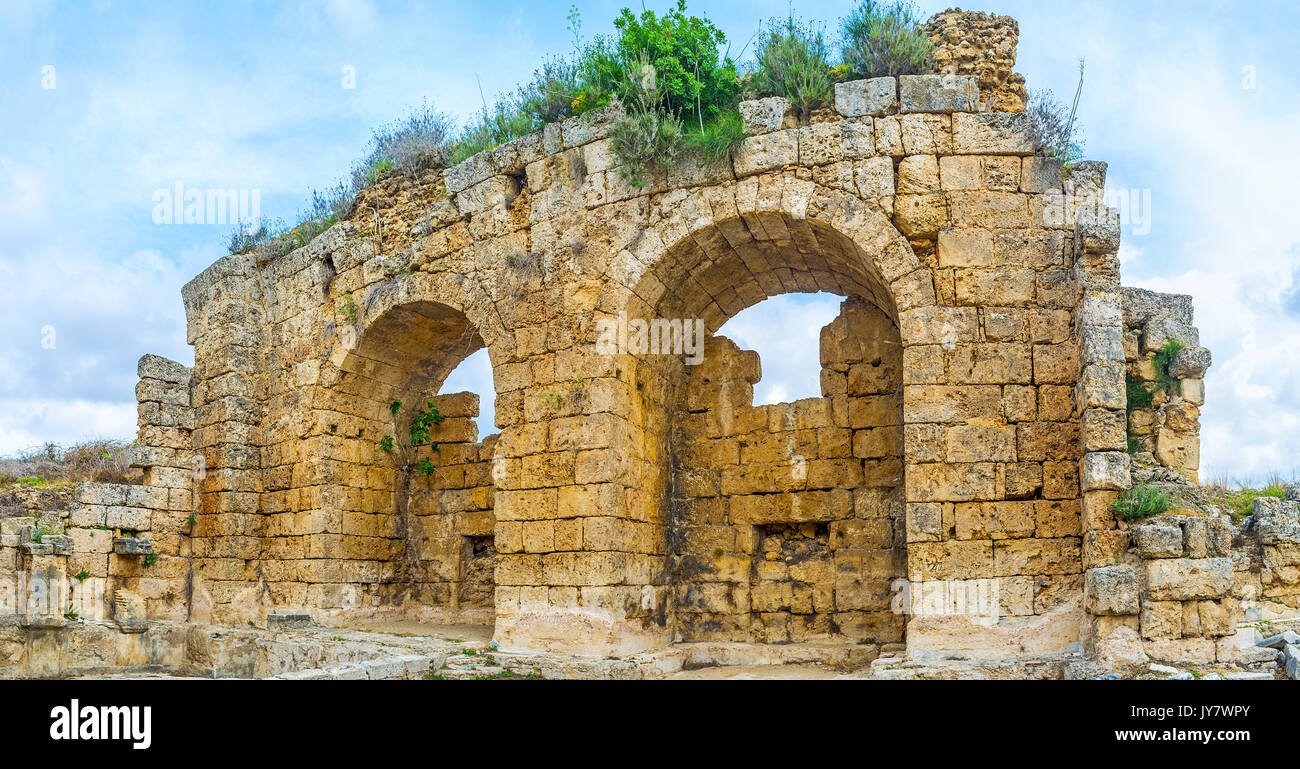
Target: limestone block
<point>468,172</point>
<point>918,174</point>
<point>1162,619</point>
<point>1040,174</point>
<point>1103,430</point>
<point>1158,541</point>
<point>1190,363</point>
<point>926,134</point>
<point>874,97</point>
<point>1103,386</point>
<point>1186,650</point>
<point>1111,590</point>
<point>1104,470</point>
<point>1102,344</point>
<point>991,133</point>
<point>874,177</point>
<point>767,152</point>
<point>1189,579</point>
<point>100,493</point>
<point>1178,450</point>
<point>156,367</point>
<point>938,93</point>
<point>762,116</point>
<point>1160,331</point>
<point>921,216</point>
<point>1217,617</point>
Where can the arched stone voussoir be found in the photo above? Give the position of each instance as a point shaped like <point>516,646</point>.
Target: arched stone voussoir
<point>841,229</point>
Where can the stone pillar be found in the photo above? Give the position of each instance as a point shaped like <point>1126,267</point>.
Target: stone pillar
<point>1110,587</point>
<point>580,504</point>
<point>1166,362</point>
<point>224,307</point>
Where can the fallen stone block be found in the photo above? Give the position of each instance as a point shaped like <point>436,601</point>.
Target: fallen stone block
<point>1287,638</point>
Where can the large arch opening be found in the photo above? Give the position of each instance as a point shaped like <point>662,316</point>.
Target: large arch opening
<point>413,492</point>
<point>786,521</point>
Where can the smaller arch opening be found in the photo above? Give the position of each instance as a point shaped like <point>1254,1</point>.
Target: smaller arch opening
<point>785,331</point>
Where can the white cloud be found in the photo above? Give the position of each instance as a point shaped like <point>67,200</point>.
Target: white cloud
<point>474,374</point>
<point>354,17</point>
<point>785,331</point>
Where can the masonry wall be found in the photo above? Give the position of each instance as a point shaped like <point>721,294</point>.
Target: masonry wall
<point>791,516</point>
<point>452,522</point>
<point>1168,427</point>
<point>935,215</point>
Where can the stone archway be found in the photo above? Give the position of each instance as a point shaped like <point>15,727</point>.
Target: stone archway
<point>784,522</point>
<point>401,522</point>
<point>539,242</point>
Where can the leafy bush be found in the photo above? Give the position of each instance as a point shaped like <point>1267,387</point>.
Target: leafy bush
<point>880,40</point>
<point>673,61</point>
<point>1054,129</point>
<point>1141,501</point>
<point>716,141</point>
<point>792,60</point>
<point>644,138</point>
<point>549,97</point>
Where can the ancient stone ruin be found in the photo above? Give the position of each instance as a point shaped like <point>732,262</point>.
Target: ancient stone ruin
<point>949,495</point>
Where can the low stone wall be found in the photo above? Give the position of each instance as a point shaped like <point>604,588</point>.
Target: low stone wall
<point>1269,562</point>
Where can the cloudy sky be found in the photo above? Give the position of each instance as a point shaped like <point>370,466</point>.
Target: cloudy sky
<point>104,103</point>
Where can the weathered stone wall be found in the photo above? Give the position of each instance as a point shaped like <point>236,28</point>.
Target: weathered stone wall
<point>791,521</point>
<point>983,45</point>
<point>1268,558</point>
<point>908,199</point>
<point>452,524</point>
<point>971,431</point>
<point>1169,429</point>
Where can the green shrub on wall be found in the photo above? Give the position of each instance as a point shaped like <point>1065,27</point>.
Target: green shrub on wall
<point>677,84</point>
<point>880,40</point>
<point>792,60</point>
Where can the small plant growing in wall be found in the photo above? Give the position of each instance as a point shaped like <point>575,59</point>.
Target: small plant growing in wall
<point>348,309</point>
<point>1139,397</point>
<point>1054,129</point>
<point>191,521</point>
<point>1141,501</point>
<point>425,420</point>
<point>1163,360</point>
<point>150,559</point>
<point>420,433</point>
<point>81,576</point>
<point>71,613</point>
